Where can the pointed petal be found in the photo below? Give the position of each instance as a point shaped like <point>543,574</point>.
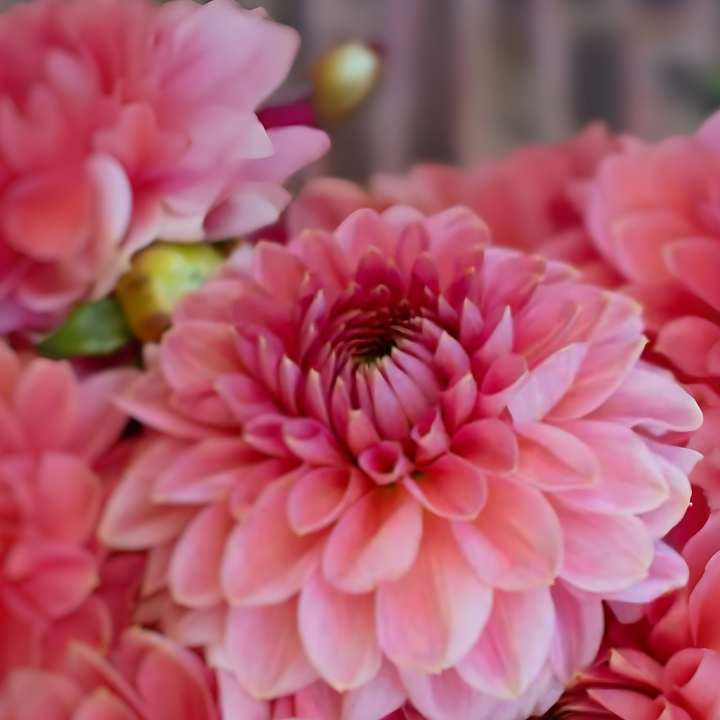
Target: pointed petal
<point>131,520</point>
<point>451,487</point>
<point>46,404</point>
<point>338,633</point>
<point>649,396</point>
<point>603,553</point>
<point>490,444</point>
<point>265,561</point>
<point>544,386</point>
<point>277,664</point>
<point>357,556</point>
<point>514,645</point>
<point>194,576</point>
<point>430,617</point>
<point>516,542</point>
<point>321,495</point>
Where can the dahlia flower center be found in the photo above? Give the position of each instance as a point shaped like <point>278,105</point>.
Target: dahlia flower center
<point>369,336</point>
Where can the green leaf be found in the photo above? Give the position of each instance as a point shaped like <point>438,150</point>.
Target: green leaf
<point>94,328</point>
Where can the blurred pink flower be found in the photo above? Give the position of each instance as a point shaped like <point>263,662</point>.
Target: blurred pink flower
<point>654,213</point>
<point>528,198</point>
<point>147,677</point>
<point>393,446</point>
<point>123,121</point>
<point>666,666</point>
<point>53,431</point>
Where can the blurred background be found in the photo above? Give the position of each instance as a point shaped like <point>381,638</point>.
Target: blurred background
<point>464,80</point>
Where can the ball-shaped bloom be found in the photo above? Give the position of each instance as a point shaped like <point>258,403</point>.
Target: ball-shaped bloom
<point>396,445</point>
<point>125,121</point>
<point>147,677</point>
<point>53,429</point>
<point>529,199</point>
<point>666,665</point>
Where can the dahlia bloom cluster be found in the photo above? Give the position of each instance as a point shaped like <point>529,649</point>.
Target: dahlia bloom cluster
<point>124,121</point>
<point>395,458</point>
<point>430,457</point>
<point>56,431</point>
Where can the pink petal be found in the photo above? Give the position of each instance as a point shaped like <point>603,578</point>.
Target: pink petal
<point>277,665</point>
<point>553,459</point>
<point>451,487</point>
<point>194,576</point>
<point>312,442</point>
<point>430,617</point>
<point>11,370</point>
<point>649,396</point>
<point>629,481</point>
<point>195,355</point>
<point>430,437</point>
<point>294,147</point>
<point>131,520</point>
<point>68,498</point>
<point>210,469</point>
<point>694,261</point>
<point>47,216</point>
<point>692,674</point>
<point>236,704</point>
<point>362,230</point>
<point>668,572</point>
<point>148,400</point>
<point>102,704</point>
<point>385,462</point>
<point>579,631</point>
<point>691,344</point>
<point>222,43</point>
<point>628,704</point>
<point>377,698</point>
<point>514,645</point>
<point>545,384</point>
<point>338,633</point>
<point>356,557</point>
<point>170,680</point>
<point>490,444</point>
<point>50,580</point>
<point>704,620</point>
<point>101,422</point>
<point>46,403</point>
<point>603,553</point>
<point>265,561</point>
<point>516,542</point>
<point>446,696</point>
<point>322,495</point>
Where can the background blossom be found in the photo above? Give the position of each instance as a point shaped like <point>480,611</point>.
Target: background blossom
<point>55,430</point>
<point>529,199</point>
<point>123,121</point>
<point>395,447</point>
<point>666,665</point>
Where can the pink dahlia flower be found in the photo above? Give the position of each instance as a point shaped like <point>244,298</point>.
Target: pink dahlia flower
<point>123,121</point>
<point>528,199</point>
<point>666,666</point>
<point>147,677</point>
<point>395,446</point>
<point>654,213</point>
<point>53,430</point>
